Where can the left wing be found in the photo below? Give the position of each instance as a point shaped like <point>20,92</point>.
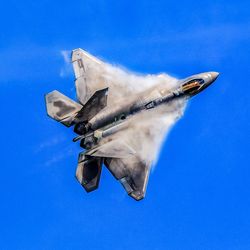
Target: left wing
<point>92,74</point>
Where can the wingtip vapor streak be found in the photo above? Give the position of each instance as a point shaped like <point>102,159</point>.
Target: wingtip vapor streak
<point>120,119</point>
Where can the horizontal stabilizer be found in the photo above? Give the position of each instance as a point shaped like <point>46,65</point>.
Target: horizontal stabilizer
<point>61,108</point>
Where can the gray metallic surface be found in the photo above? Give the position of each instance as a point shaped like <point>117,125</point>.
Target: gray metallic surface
<point>94,105</point>
<point>121,118</point>
<point>61,108</point>
<point>88,173</point>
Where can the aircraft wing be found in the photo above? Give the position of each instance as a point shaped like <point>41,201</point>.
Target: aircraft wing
<point>132,173</point>
<point>130,153</point>
<point>92,74</point>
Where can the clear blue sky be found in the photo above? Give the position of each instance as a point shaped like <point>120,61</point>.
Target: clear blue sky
<point>198,196</point>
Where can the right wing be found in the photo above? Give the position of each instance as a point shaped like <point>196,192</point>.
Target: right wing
<point>91,75</point>
<point>132,172</point>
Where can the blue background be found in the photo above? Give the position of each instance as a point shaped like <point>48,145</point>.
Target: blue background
<point>198,196</point>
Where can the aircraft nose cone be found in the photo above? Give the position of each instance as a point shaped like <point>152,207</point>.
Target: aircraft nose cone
<point>210,77</point>
<point>214,75</point>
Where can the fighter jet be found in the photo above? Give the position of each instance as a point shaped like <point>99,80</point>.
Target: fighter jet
<point>121,119</point>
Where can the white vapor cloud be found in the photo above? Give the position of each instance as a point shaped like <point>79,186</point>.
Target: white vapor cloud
<point>58,157</point>
<point>145,131</point>
<point>66,69</point>
<point>51,142</point>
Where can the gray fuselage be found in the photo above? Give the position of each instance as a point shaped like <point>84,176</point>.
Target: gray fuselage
<point>113,118</point>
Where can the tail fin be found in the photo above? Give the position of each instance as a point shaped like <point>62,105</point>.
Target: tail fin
<point>88,172</point>
<point>95,104</point>
<point>61,108</point>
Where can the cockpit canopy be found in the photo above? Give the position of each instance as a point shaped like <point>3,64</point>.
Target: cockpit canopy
<point>192,86</point>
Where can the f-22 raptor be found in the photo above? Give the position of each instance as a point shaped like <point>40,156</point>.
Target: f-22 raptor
<point>121,119</point>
